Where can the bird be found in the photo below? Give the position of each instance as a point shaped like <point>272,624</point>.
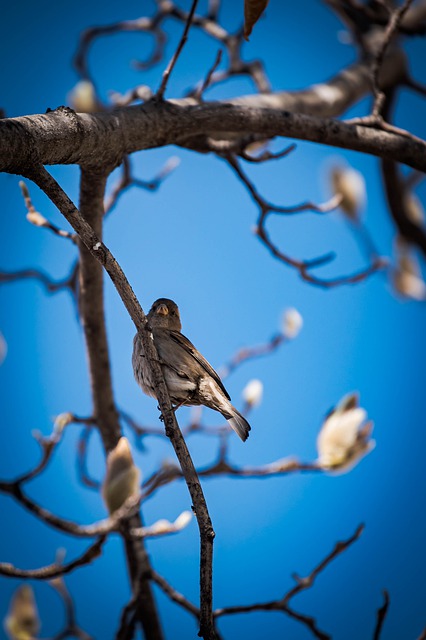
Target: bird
<point>190,379</point>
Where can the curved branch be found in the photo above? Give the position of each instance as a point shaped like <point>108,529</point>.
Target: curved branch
<point>54,570</point>
<point>64,137</point>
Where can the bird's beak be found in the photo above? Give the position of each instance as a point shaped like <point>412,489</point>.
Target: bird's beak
<point>163,310</point>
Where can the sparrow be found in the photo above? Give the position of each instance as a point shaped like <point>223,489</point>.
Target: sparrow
<point>190,379</point>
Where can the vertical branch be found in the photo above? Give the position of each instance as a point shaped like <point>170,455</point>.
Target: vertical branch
<point>91,308</point>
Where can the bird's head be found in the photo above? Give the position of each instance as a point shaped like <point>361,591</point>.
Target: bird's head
<point>164,314</point>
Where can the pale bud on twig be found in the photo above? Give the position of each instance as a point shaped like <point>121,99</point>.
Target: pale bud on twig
<point>345,436</point>
<point>23,622</point>
<point>82,97</point>
<point>407,276</point>
<point>414,208</point>
<point>62,421</point>
<point>3,348</point>
<point>122,477</point>
<point>164,526</point>
<point>37,219</point>
<point>253,392</point>
<point>291,324</point>
<point>350,184</point>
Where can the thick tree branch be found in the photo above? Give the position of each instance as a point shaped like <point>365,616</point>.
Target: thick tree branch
<point>91,308</point>
<point>63,137</point>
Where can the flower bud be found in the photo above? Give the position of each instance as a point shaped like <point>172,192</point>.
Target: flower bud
<point>22,622</point>
<point>291,324</point>
<point>407,277</point>
<point>350,185</point>
<point>36,219</point>
<point>253,392</point>
<point>414,208</point>
<point>344,437</point>
<point>122,476</point>
<point>82,98</point>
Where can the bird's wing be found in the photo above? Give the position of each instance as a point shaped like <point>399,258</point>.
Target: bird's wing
<point>187,345</point>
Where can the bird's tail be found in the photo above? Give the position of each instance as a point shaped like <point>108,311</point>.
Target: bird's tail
<point>238,423</point>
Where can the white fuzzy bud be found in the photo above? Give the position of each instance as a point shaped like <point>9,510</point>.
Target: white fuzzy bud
<point>122,477</point>
<point>82,97</point>
<point>291,324</point>
<point>36,219</point>
<point>350,185</point>
<point>345,436</point>
<point>253,393</point>
<point>164,526</point>
<point>22,622</point>
<point>414,209</point>
<point>407,276</point>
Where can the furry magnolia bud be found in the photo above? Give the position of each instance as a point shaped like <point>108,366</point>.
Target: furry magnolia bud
<point>122,477</point>
<point>22,622</point>
<point>345,436</point>
<point>253,392</point>
<point>291,324</point>
<point>350,185</point>
<point>407,276</point>
<point>82,97</point>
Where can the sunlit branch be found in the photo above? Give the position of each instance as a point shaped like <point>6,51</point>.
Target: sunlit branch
<point>222,467</point>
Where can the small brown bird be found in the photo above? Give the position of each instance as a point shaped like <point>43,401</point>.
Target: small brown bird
<point>190,379</point>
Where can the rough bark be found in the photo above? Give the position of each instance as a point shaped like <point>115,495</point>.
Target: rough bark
<point>91,308</point>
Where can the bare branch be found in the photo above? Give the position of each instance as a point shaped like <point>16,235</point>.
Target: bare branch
<point>394,21</point>
<point>71,628</point>
<point>55,570</point>
<point>34,274</point>
<point>38,220</point>
<point>381,615</point>
<point>304,267</point>
<point>127,180</point>
<point>302,584</point>
<point>171,65</point>
<point>175,595</point>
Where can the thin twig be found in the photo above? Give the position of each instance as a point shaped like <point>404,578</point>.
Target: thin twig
<point>38,220</point>
<point>381,615</point>
<point>175,595</point>
<point>170,66</point>
<point>198,93</point>
<point>302,583</point>
<point>394,21</point>
<point>54,570</point>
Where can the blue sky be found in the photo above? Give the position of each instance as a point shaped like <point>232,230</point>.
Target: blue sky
<point>231,294</point>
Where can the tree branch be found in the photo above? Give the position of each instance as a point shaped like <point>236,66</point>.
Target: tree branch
<point>54,570</point>
<point>63,137</point>
<point>91,307</point>
<point>98,250</point>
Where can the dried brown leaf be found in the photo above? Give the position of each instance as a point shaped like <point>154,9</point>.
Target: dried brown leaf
<point>253,9</point>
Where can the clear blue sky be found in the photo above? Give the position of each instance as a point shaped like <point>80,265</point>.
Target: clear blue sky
<point>231,294</point>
